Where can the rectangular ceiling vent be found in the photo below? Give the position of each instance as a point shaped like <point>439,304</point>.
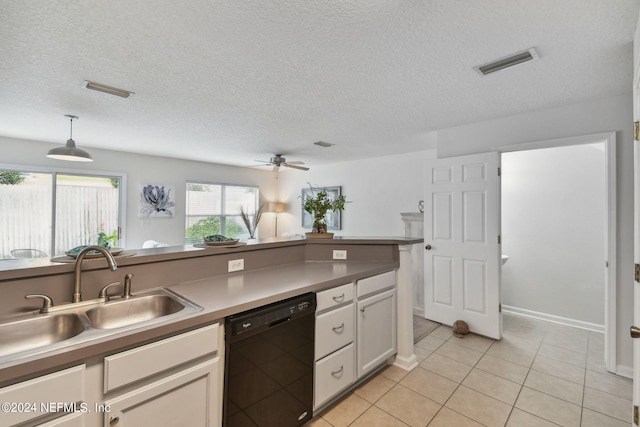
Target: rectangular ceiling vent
<point>509,61</point>
<point>107,89</point>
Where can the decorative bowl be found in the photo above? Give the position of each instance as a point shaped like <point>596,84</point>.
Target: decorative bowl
<point>219,240</point>
<point>73,253</point>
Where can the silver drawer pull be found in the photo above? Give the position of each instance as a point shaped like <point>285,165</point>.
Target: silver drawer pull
<point>338,372</point>
<point>339,298</point>
<point>338,329</point>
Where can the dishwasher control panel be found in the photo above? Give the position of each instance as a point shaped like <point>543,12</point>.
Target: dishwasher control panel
<point>271,315</point>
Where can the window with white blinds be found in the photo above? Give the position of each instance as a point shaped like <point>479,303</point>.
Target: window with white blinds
<point>45,212</point>
<point>215,209</point>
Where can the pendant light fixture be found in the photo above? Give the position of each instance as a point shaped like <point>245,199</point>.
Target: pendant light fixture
<point>70,152</point>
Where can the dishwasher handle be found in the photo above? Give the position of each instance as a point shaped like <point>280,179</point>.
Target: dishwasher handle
<point>278,322</point>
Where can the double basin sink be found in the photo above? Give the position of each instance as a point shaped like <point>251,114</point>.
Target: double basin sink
<point>32,333</point>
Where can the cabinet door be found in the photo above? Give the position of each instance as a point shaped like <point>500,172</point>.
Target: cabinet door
<point>189,398</point>
<point>376,330</point>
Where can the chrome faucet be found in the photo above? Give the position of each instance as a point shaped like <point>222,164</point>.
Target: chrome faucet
<point>77,294</point>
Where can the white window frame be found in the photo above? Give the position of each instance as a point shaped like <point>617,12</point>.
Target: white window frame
<point>64,171</point>
<point>223,216</point>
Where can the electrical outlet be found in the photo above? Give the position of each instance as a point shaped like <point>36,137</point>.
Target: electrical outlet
<point>342,254</point>
<point>236,265</point>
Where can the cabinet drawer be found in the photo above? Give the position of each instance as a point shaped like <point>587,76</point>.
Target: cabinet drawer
<point>377,283</point>
<point>333,374</point>
<point>138,363</point>
<point>334,329</point>
<point>66,386</point>
<point>334,297</point>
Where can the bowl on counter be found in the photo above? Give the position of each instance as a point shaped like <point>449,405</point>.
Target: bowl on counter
<point>219,240</point>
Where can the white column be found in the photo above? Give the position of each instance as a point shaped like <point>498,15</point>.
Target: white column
<point>406,358</point>
<point>414,227</point>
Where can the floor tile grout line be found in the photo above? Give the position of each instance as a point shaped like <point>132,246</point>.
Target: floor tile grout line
<point>460,384</point>
<point>377,407</point>
<point>539,343</point>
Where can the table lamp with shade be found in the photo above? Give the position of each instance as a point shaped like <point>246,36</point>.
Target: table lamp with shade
<point>276,207</point>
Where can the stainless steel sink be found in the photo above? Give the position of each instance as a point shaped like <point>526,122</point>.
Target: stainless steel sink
<point>28,334</point>
<point>131,311</point>
<point>39,331</point>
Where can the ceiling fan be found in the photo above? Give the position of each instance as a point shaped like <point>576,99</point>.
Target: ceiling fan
<point>278,161</point>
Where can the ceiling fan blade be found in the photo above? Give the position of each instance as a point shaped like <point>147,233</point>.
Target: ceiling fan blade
<point>289,165</point>
<point>296,162</point>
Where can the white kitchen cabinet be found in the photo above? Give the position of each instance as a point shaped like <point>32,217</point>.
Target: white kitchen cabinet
<point>187,398</point>
<point>171,382</point>
<point>32,399</point>
<point>141,362</point>
<point>334,297</point>
<point>334,368</point>
<point>376,323</point>
<point>333,374</point>
<point>334,330</point>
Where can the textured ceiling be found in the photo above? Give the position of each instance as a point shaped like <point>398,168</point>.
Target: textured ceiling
<point>230,81</point>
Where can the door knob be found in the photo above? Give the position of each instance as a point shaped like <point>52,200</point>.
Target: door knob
<point>428,247</point>
<point>634,331</point>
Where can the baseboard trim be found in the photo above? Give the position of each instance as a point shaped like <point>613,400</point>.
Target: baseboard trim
<point>406,363</point>
<point>418,312</point>
<point>594,327</point>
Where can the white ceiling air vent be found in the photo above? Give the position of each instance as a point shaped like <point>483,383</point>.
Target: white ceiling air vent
<point>323,144</point>
<point>506,62</point>
<point>107,89</point>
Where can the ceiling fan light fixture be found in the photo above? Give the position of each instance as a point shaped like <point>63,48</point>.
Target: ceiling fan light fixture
<point>107,89</point>
<point>70,152</point>
<point>507,62</point>
<point>277,161</point>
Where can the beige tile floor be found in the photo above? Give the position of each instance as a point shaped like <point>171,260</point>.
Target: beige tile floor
<point>539,374</point>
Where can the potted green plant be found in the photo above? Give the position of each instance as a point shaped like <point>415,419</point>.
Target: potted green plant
<point>108,241</point>
<point>317,203</point>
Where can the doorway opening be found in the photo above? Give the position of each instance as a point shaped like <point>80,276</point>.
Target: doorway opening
<point>558,231</point>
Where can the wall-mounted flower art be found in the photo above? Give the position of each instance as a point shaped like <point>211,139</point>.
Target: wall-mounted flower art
<point>156,201</point>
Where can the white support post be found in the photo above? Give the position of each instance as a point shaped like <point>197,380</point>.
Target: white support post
<point>406,358</point>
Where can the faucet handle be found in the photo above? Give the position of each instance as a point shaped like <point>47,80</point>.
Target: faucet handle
<point>47,302</point>
<point>102,295</point>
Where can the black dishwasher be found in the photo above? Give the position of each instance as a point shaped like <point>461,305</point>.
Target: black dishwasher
<point>269,364</point>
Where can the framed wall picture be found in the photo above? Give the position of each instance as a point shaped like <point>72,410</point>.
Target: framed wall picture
<point>332,218</point>
<point>156,201</point>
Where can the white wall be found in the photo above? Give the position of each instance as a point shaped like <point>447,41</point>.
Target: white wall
<point>378,189</point>
<point>143,170</point>
<point>605,115</point>
<point>553,219</point>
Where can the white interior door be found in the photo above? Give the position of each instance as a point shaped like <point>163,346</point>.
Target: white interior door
<point>462,250</point>
<point>635,333</point>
